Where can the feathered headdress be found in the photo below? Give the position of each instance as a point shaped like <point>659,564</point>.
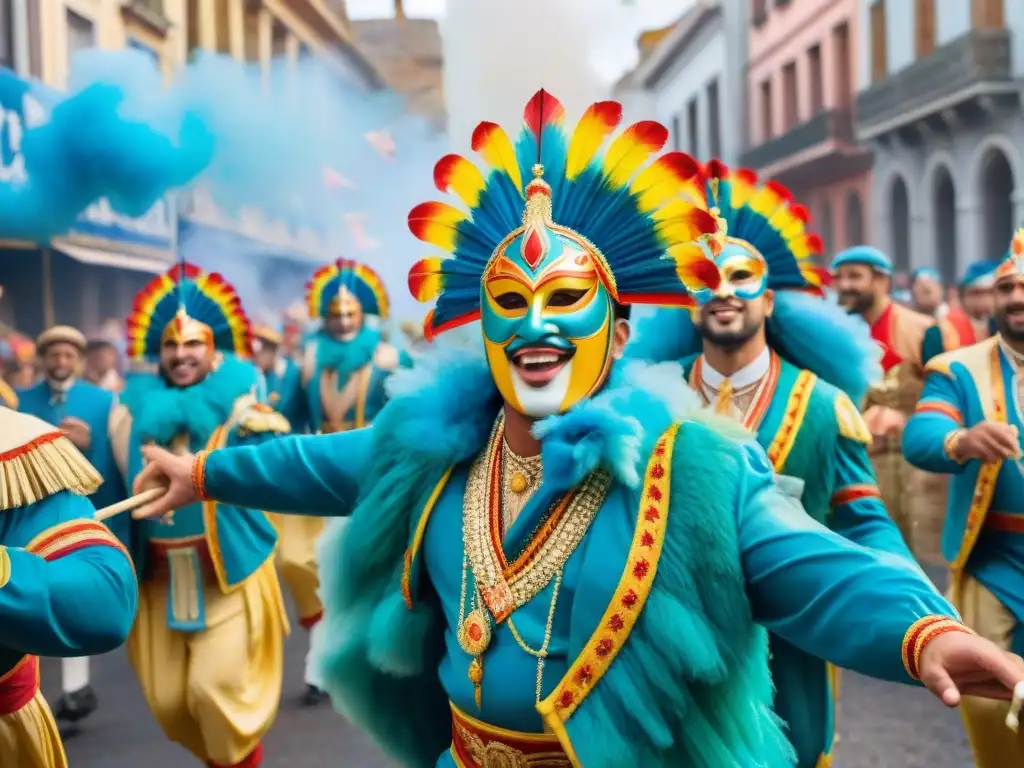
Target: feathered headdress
<point>763,219</point>
<point>626,214</point>
<point>810,332</point>
<point>345,275</point>
<point>1013,262</point>
<point>187,294</point>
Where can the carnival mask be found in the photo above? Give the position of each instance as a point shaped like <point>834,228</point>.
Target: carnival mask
<point>547,319</point>
<point>345,315</point>
<point>186,350</point>
<point>742,271</point>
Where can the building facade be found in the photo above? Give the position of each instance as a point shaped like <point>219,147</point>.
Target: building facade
<point>941,106</point>
<point>92,273</point>
<point>800,89</point>
<point>691,79</point>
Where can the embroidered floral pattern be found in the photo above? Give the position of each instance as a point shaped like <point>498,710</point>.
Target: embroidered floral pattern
<point>796,409</point>
<point>631,594</point>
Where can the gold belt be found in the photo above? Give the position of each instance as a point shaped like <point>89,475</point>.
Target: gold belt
<point>478,745</point>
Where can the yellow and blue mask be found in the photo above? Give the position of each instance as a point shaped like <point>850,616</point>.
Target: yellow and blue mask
<point>742,273</point>
<point>546,292</point>
<point>547,317</point>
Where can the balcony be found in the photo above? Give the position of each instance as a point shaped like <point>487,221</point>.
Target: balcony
<point>954,82</point>
<point>147,12</point>
<point>820,150</point>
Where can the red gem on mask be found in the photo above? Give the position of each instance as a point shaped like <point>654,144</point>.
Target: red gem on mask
<point>533,249</point>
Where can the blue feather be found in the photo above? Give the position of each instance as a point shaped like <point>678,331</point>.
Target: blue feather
<point>819,336</point>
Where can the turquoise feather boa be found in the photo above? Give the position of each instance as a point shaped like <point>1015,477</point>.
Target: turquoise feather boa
<point>708,705</point>
<point>160,411</point>
<point>810,333</point>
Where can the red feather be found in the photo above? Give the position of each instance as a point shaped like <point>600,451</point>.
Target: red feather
<point>443,171</point>
<point>747,176</point>
<point>680,165</point>
<point>543,109</point>
<point>815,243</point>
<point>717,169</point>
<point>707,272</point>
<point>780,190</point>
<point>801,213</point>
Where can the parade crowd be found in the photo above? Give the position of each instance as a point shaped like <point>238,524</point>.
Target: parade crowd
<point>575,541</point>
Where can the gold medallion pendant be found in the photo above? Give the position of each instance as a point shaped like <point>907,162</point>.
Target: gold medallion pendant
<point>475,633</point>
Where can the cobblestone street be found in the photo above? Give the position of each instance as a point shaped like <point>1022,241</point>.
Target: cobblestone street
<point>881,726</point>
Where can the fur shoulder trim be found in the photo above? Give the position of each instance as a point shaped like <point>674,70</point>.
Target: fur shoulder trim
<point>38,461</point>
<point>259,418</point>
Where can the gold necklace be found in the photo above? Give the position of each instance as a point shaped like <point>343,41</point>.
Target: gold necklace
<point>474,636</point>
<point>520,478</point>
<point>504,587</point>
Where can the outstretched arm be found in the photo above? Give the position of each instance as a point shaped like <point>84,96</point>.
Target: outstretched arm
<point>312,475</point>
<point>857,509</point>
<point>829,597</point>
<point>939,414</point>
<point>67,585</point>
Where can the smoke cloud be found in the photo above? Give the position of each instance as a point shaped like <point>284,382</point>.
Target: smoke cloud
<point>91,147</point>
<point>309,149</point>
<point>498,53</point>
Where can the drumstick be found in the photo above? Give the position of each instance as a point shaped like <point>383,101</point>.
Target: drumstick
<point>136,501</point>
<point>1013,716</point>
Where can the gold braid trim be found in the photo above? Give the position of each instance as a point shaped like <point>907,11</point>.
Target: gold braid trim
<point>37,461</point>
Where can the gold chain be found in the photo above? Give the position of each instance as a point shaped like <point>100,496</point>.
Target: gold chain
<point>551,555</point>
<point>542,654</point>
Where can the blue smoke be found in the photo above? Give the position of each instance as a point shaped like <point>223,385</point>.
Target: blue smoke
<point>275,134</point>
<point>97,143</point>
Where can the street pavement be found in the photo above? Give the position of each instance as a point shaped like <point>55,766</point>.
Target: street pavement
<point>881,725</point>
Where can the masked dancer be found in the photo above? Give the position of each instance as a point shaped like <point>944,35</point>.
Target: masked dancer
<point>547,558</point>
<point>764,348</point>
<point>207,646</point>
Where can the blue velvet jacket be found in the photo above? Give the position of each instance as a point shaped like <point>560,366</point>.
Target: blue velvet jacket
<point>67,586</point>
<point>217,412</point>
<point>660,660</point>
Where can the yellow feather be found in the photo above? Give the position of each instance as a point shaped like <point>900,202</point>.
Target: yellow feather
<point>494,145</point>
<point>631,150</point>
<point>594,127</point>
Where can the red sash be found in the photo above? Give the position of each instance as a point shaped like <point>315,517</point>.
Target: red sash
<point>19,686</point>
<point>881,332</point>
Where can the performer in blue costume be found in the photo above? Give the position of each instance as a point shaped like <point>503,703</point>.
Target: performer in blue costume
<point>297,536</point>
<point>207,647</point>
<point>282,377</point>
<point>346,362</point>
<point>67,586</point>
<point>82,411</point>
<point>547,558</point>
<point>968,425</point>
<point>766,350</point>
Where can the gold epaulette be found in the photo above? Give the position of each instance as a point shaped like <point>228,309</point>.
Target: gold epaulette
<point>849,420</point>
<point>259,418</point>
<point>37,461</point>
